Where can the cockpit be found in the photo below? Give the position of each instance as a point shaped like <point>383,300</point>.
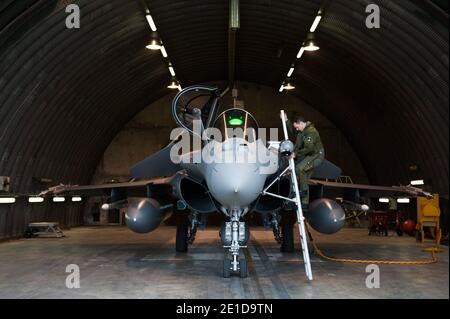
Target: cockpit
<point>237,123</point>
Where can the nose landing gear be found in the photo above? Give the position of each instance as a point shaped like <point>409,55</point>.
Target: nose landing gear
<point>234,235</point>
<point>228,268</point>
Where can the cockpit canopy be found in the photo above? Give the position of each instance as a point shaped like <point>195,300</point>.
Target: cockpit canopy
<point>237,123</point>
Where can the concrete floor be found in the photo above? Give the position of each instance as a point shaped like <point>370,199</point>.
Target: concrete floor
<point>116,263</point>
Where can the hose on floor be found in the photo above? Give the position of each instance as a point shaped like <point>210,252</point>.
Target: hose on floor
<point>317,250</point>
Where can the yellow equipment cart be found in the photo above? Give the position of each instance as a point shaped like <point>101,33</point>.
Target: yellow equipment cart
<point>428,215</point>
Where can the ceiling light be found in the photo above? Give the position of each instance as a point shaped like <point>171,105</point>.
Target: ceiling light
<point>35,199</point>
<point>173,84</point>
<point>383,200</point>
<point>151,22</point>
<point>163,51</point>
<point>315,23</point>
<point>287,85</point>
<point>403,200</point>
<point>154,45</point>
<point>179,88</point>
<point>417,182</point>
<point>281,88</point>
<point>310,44</point>
<point>76,199</point>
<point>291,70</point>
<point>7,200</point>
<point>58,199</point>
<point>300,52</point>
<point>155,42</point>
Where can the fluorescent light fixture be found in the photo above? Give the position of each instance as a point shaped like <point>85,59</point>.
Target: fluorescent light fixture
<point>35,199</point>
<point>281,88</point>
<point>163,51</point>
<point>383,200</point>
<point>76,199</point>
<point>315,23</point>
<point>58,199</point>
<point>300,52</point>
<point>417,182</point>
<point>179,88</point>
<point>7,200</point>
<point>403,200</point>
<point>151,23</point>
<point>171,70</point>
<point>291,70</point>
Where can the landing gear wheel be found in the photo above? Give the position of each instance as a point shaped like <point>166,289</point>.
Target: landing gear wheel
<point>226,268</point>
<point>243,270</point>
<point>181,241</point>
<point>287,235</point>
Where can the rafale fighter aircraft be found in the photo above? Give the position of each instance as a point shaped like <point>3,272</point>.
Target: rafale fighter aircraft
<point>174,181</point>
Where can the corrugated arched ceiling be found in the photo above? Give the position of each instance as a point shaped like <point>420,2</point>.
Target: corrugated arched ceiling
<point>64,94</point>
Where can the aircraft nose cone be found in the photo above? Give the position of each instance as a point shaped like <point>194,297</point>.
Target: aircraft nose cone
<point>234,185</point>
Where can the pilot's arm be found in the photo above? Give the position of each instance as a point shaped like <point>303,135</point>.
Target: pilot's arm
<point>289,126</point>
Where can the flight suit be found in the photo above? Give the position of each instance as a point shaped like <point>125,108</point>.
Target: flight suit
<point>309,153</point>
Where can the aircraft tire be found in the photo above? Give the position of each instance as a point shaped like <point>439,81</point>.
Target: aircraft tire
<point>226,268</point>
<point>243,269</point>
<point>181,243</point>
<point>287,233</point>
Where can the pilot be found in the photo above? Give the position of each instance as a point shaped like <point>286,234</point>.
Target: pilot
<point>308,152</point>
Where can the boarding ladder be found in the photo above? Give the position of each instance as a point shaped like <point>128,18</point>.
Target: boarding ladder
<point>300,218</point>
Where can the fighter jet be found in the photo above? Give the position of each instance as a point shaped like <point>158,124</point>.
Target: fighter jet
<point>223,175</point>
